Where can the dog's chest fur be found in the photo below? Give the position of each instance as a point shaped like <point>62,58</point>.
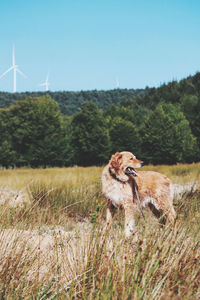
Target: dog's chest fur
<point>115,191</point>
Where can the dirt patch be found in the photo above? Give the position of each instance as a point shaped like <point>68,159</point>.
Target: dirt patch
<point>14,198</point>
<point>182,188</point>
<point>46,251</point>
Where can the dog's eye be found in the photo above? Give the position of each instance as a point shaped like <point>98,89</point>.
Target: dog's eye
<point>131,158</point>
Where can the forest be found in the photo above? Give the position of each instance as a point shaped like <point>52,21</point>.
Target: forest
<point>70,102</point>
<point>159,125</point>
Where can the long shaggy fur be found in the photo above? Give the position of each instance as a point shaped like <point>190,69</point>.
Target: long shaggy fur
<point>154,189</point>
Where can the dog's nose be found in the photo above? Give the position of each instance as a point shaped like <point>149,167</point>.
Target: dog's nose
<point>142,163</point>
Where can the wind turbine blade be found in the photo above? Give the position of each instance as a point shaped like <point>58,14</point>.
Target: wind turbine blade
<point>21,73</point>
<point>11,68</point>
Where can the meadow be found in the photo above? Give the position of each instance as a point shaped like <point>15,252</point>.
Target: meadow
<point>53,243</point>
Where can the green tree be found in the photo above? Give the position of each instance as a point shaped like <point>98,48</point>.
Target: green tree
<point>128,110</point>
<point>114,111</point>
<point>37,136</point>
<point>68,151</point>
<point>124,136</point>
<point>90,139</point>
<point>167,137</point>
<point>7,154</point>
<point>190,105</point>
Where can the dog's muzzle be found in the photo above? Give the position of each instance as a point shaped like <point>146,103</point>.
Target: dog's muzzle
<point>130,172</point>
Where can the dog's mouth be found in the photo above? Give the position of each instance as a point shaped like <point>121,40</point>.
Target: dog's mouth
<point>130,172</point>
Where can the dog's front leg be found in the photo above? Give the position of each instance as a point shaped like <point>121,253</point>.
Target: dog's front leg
<point>110,211</point>
<point>130,209</point>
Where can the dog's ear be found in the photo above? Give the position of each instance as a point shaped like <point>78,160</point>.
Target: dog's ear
<point>115,160</point>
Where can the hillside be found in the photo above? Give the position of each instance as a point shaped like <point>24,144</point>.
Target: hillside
<point>173,92</point>
<point>70,102</point>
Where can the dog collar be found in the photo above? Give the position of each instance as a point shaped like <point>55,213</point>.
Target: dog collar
<point>115,176</point>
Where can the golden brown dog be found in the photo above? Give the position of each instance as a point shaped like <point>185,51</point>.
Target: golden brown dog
<point>154,189</point>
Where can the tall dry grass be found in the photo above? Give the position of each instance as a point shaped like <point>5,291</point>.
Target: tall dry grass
<point>55,247</point>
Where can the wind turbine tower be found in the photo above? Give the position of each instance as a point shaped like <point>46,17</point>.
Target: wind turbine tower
<point>117,82</point>
<point>15,69</point>
<point>46,83</point>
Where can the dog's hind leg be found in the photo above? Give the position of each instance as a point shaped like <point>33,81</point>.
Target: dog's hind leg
<point>171,214</point>
<point>157,213</point>
<point>166,210</point>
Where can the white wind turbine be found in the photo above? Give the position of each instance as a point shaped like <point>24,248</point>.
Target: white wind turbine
<point>15,69</point>
<point>117,82</point>
<point>46,83</point>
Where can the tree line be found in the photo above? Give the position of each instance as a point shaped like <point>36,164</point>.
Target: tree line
<point>71,102</point>
<point>34,132</point>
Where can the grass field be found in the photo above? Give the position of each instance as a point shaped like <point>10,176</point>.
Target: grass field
<point>53,245</point>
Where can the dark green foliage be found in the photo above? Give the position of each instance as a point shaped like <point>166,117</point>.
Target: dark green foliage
<point>159,125</point>
<point>124,136</point>
<point>7,154</point>
<point>35,132</point>
<point>121,111</point>
<point>71,102</point>
<point>138,112</point>
<point>90,139</point>
<point>190,105</point>
<point>167,137</point>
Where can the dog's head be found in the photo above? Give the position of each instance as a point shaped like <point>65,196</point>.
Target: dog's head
<point>123,164</point>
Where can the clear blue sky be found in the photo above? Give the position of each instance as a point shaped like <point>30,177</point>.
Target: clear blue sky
<point>86,44</point>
